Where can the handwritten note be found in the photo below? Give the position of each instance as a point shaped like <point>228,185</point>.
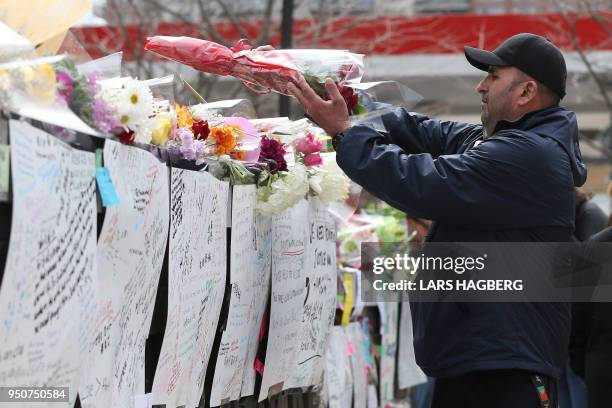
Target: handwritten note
<point>358,364</point>
<point>130,253</point>
<point>50,270</point>
<point>320,298</point>
<point>388,350</point>
<point>289,240</point>
<point>409,373</point>
<point>196,283</point>
<point>260,282</point>
<point>338,376</point>
<point>233,350</point>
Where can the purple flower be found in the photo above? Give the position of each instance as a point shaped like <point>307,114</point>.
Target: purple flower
<point>273,154</point>
<point>65,85</point>
<point>189,148</point>
<point>103,116</point>
<point>92,83</point>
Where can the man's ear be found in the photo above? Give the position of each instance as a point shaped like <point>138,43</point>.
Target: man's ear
<point>529,91</point>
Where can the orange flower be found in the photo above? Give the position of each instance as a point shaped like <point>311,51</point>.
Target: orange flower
<point>224,139</point>
<point>238,155</point>
<point>184,117</point>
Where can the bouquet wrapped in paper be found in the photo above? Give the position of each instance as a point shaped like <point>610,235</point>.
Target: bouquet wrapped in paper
<point>265,71</point>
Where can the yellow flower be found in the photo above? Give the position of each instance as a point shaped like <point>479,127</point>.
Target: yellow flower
<point>40,82</point>
<point>161,132</point>
<point>184,116</point>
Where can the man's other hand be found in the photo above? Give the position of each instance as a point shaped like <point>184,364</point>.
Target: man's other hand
<point>331,116</point>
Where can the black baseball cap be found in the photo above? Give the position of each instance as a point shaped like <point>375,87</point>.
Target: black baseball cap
<point>534,55</point>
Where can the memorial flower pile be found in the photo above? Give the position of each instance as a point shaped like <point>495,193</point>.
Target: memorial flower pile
<point>196,139</point>
<point>125,108</point>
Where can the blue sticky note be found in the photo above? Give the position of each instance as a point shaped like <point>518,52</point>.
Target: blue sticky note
<point>106,187</point>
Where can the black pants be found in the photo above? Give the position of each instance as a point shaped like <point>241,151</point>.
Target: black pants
<point>494,388</point>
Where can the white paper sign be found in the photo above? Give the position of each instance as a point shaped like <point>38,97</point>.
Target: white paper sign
<point>388,350</point>
<point>372,396</point>
<point>260,281</point>
<point>320,299</point>
<point>196,284</point>
<point>289,236</point>
<point>233,349</point>
<point>49,279</point>
<point>131,250</point>
<point>338,376</point>
<point>358,364</point>
<point>409,373</point>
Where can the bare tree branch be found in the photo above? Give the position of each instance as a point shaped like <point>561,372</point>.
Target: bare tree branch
<point>264,38</point>
<point>212,31</point>
<point>603,23</point>
<point>233,19</point>
<point>598,146</point>
<point>578,47</point>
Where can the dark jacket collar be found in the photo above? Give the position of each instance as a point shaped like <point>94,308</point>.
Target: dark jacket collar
<point>523,122</point>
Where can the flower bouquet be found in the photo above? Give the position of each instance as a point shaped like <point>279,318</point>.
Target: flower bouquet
<point>201,134</point>
<point>265,71</point>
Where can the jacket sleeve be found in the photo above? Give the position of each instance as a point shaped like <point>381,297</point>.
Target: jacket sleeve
<point>416,133</point>
<point>498,184</point>
<point>590,219</point>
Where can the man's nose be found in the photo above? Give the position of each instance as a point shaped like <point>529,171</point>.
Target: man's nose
<point>482,87</point>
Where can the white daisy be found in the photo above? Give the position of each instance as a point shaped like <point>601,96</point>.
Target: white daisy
<point>137,95</point>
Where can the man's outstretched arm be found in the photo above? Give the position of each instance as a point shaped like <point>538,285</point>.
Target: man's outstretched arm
<point>412,132</point>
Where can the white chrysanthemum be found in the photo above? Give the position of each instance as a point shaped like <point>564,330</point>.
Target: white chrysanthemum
<point>334,183</point>
<point>286,191</point>
<point>137,96</point>
<point>130,99</point>
<point>314,181</point>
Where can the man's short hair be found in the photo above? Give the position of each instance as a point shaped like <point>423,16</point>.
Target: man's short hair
<point>549,97</point>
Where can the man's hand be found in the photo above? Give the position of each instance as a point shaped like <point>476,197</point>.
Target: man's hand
<point>332,115</point>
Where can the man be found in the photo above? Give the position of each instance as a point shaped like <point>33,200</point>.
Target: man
<point>510,180</point>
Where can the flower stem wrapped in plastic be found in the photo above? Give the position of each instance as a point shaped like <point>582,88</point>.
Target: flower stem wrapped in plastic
<point>263,71</point>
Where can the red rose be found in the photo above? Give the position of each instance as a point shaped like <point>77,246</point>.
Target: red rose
<point>350,97</point>
<point>126,136</point>
<point>200,129</point>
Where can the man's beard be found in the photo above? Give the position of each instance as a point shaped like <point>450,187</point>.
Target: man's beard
<point>484,119</point>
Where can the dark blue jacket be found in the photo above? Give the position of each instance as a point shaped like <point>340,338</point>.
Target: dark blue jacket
<point>515,186</point>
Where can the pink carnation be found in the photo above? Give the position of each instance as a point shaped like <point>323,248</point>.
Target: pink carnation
<point>308,144</point>
<point>313,160</point>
